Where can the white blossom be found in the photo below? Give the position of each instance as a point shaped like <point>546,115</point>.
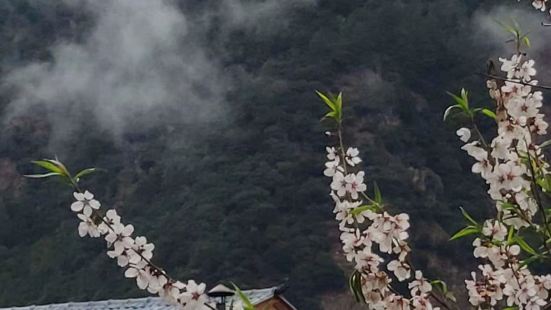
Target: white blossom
<point>331,167</point>
<point>352,157</point>
<point>355,184</point>
<point>495,230</point>
<point>87,227</point>
<point>420,286</point>
<point>141,273</point>
<point>511,66</point>
<point>331,153</point>
<point>339,184</point>
<point>194,296</point>
<point>119,239</point>
<point>141,249</point>
<point>85,202</point>
<point>401,270</point>
<point>526,70</point>
<point>464,134</point>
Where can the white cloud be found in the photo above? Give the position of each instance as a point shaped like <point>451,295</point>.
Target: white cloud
<point>138,66</point>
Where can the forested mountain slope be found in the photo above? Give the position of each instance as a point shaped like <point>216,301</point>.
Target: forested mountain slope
<point>203,115</point>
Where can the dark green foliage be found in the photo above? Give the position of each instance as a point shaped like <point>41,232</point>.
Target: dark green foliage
<point>246,201</point>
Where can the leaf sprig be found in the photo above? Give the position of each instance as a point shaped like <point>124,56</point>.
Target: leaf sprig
<point>55,168</point>
<point>334,104</point>
<point>462,105</point>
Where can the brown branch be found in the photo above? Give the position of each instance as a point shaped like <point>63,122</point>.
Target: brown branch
<point>432,294</point>
<point>535,192</point>
<point>491,76</point>
<point>151,264</point>
<point>439,300</point>
<point>170,279</point>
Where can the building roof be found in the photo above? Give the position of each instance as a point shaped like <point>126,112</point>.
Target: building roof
<point>150,303</point>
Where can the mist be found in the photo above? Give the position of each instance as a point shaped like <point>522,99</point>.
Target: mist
<point>262,17</point>
<point>144,63</point>
<point>489,31</point>
<point>139,66</point>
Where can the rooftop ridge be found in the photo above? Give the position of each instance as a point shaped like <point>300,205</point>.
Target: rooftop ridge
<point>150,303</point>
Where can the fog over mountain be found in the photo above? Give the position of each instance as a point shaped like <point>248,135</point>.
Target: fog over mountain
<point>138,66</point>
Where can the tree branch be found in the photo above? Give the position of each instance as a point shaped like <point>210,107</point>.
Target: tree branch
<point>491,76</point>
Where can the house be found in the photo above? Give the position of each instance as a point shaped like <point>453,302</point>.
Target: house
<point>262,299</point>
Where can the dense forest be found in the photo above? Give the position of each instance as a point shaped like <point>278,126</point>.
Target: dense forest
<point>204,117</point>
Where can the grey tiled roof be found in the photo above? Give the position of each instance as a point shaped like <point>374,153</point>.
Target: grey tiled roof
<point>150,303</point>
<point>260,295</point>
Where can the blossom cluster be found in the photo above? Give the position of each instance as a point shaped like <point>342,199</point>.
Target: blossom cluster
<point>541,5</point>
<point>503,277</point>
<point>502,163</point>
<point>369,235</point>
<point>134,254</point>
<point>509,165</point>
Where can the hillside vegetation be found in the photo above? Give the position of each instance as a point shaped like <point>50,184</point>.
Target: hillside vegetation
<point>239,195</point>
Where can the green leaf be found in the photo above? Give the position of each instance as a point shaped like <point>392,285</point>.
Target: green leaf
<point>377,193</point>
<point>85,172</point>
<point>60,165</point>
<point>441,285</point>
<point>334,103</point>
<point>545,144</point>
<point>526,41</point>
<point>524,245</point>
<point>363,208</point>
<point>462,102</point>
<point>510,235</point>
<point>247,304</point>
<point>355,284</point>
<point>451,296</point>
<point>507,206</point>
<point>327,101</point>
<point>544,182</point>
<point>468,217</point>
<point>42,176</point>
<point>449,111</point>
<point>516,24</point>
<point>469,230</point>
<point>488,113</point>
<point>530,260</point>
<point>459,101</point>
<point>331,114</point>
<point>465,98</point>
<point>511,29</point>
<point>46,164</point>
<point>339,102</point>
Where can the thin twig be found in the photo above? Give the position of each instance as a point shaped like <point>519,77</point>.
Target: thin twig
<point>439,300</point>
<point>96,214</point>
<point>537,196</point>
<point>491,76</point>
